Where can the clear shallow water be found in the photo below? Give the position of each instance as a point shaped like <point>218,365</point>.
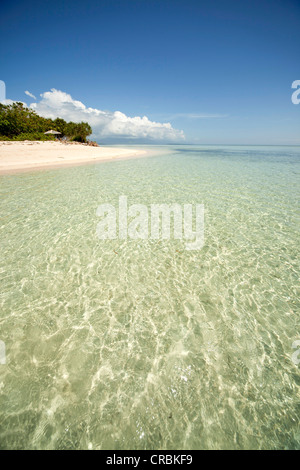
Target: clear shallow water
<point>137,344</point>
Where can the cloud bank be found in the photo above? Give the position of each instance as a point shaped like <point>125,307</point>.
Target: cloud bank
<point>106,125</point>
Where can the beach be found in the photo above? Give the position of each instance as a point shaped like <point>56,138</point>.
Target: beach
<point>30,155</point>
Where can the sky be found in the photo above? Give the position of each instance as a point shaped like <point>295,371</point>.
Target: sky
<point>158,71</point>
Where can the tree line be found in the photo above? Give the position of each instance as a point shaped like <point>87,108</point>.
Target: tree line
<point>20,123</point>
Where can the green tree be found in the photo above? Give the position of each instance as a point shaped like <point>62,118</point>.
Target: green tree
<point>17,121</point>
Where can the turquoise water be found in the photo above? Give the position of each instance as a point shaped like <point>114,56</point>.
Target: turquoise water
<point>141,344</point>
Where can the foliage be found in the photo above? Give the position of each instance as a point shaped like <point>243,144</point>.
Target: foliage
<point>34,136</point>
<point>28,136</point>
<point>20,123</point>
<point>77,138</point>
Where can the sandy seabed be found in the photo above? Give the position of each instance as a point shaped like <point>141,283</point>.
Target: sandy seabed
<point>27,155</point>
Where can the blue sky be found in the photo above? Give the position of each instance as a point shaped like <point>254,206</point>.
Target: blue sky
<point>219,71</point>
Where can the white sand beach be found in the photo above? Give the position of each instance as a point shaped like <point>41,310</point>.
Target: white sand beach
<point>27,155</point>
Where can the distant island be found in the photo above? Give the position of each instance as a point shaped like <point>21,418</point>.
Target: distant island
<point>19,123</point>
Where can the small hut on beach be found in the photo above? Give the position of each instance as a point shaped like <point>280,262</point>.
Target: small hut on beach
<point>56,133</point>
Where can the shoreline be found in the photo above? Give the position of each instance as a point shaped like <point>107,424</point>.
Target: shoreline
<point>24,156</point>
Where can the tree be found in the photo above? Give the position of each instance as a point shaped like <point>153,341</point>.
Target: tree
<point>17,120</point>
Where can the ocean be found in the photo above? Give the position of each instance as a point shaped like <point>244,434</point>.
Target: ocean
<point>131,343</point>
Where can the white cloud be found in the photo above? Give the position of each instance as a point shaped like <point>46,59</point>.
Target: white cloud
<point>192,116</point>
<point>105,124</point>
<point>29,94</point>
